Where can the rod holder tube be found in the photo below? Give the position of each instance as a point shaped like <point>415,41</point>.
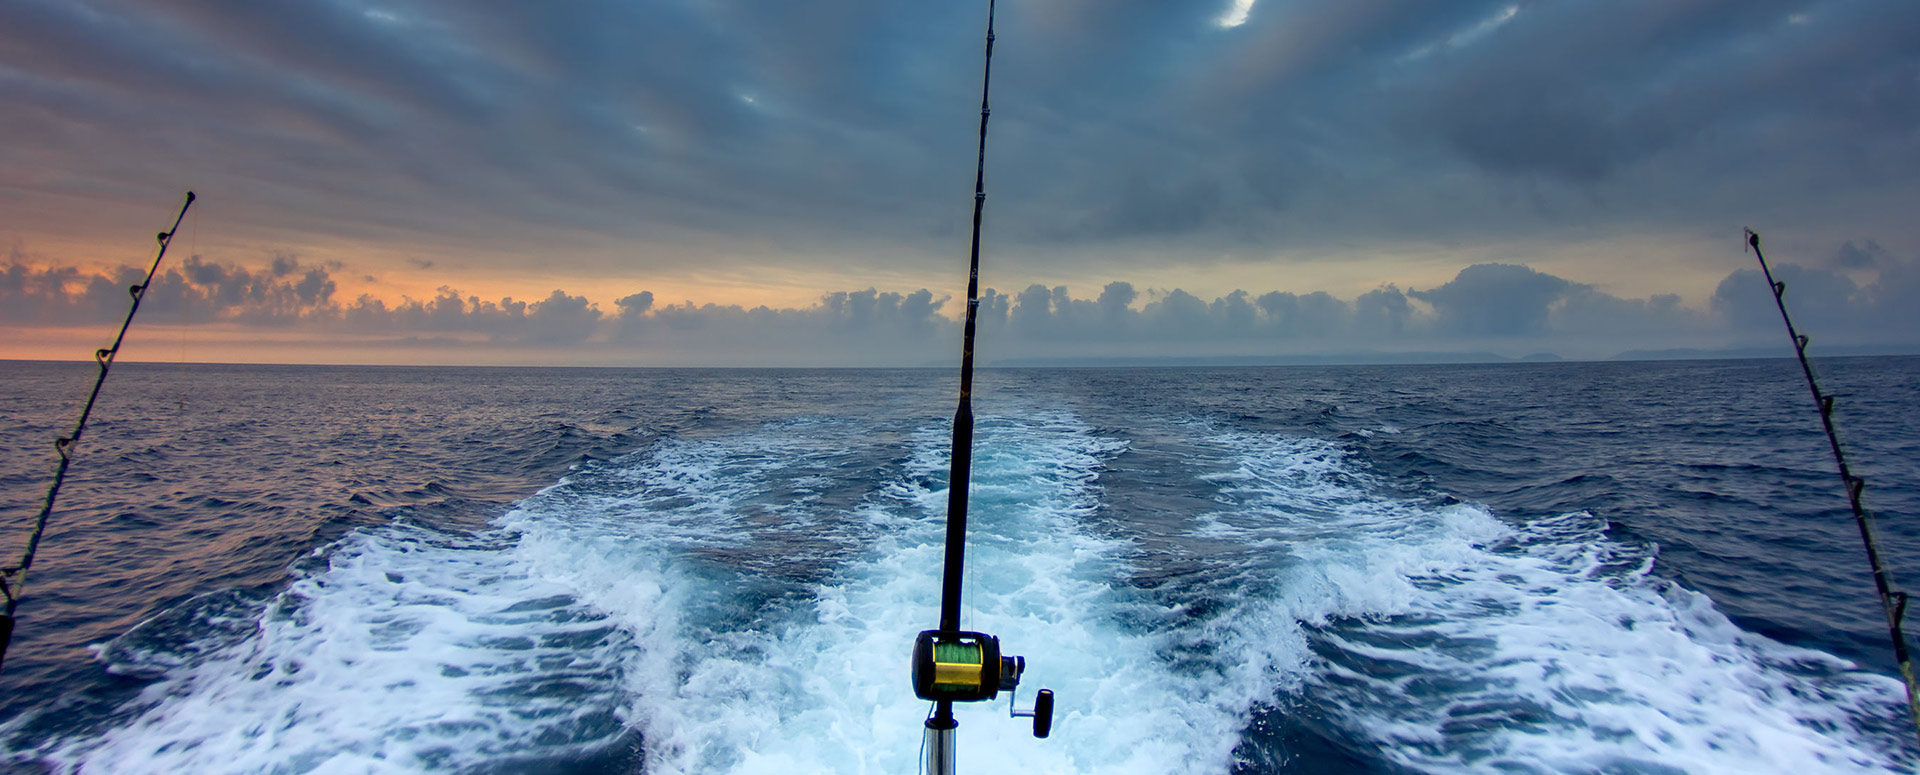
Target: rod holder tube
<point>940,745</point>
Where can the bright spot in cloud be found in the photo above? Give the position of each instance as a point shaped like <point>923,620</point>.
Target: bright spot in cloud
<point>1237,15</point>
<point>1465,37</point>
<point>1490,24</point>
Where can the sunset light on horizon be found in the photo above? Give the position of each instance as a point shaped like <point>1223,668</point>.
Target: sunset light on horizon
<point>427,181</point>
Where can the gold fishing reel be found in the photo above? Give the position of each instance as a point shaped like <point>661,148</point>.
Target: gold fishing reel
<point>963,666</point>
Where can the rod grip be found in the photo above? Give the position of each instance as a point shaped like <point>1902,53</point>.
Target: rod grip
<point>6,636</point>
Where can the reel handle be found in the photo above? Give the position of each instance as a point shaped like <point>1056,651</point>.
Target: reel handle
<point>1041,713</point>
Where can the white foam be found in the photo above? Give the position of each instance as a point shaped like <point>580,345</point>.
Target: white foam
<point>409,650</point>
<point>658,594</point>
<point>704,681</point>
<point>1462,644</point>
<point>828,691</point>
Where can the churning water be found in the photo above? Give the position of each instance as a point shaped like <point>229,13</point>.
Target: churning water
<point>1619,568</point>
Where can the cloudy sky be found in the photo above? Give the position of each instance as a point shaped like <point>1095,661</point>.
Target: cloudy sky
<point>668,182</point>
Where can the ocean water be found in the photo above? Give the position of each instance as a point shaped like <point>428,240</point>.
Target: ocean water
<point>1539,568</point>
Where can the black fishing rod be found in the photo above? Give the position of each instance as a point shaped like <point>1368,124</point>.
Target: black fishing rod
<point>13,578</point>
<point>1892,601</point>
<point>950,664</point>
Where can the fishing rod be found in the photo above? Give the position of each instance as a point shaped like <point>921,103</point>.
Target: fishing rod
<point>1892,601</point>
<point>13,578</point>
<point>950,664</point>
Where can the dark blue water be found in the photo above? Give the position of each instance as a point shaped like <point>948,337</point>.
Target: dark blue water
<point>1622,567</point>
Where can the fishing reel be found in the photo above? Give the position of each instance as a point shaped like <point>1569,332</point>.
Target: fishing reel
<point>963,666</point>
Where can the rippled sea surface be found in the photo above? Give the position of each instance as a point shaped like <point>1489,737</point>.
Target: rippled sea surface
<point>1579,568</point>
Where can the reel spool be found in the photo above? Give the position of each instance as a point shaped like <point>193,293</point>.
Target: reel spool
<point>964,666</point>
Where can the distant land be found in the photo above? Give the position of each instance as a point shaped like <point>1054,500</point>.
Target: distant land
<point>1434,358</point>
<point>1782,351</point>
<point>1320,359</point>
<point>1356,358</point>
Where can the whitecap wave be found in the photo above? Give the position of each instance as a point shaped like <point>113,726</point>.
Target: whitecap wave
<point>407,650</point>
<point>1460,643</point>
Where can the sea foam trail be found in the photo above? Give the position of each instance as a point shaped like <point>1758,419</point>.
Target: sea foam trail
<point>827,691</point>
<point>403,649</point>
<point>408,650</point>
<point>1460,643</point>
<point>703,556</point>
<point>744,604</point>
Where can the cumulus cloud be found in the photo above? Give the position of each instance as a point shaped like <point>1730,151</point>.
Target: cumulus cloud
<point>559,319</point>
<point>1502,308</point>
<point>1826,304</point>
<point>284,294</point>
<point>1584,311</point>
<point>1866,255</point>
<point>636,305</point>
<point>1495,300</point>
<point>1316,314</point>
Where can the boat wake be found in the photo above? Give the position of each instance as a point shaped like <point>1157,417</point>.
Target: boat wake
<point>746,604</point>
<point>1449,641</point>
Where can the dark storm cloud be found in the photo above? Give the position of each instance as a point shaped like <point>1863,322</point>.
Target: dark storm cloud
<point>821,123</point>
<point>1423,119</point>
<point>1586,92</point>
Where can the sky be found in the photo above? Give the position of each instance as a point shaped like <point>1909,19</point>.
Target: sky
<point>764,182</point>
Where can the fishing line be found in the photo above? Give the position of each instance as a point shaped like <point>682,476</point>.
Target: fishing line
<point>951,664</point>
<point>961,461</point>
<point>13,578</point>
<point>1892,601</point>
<point>923,743</point>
